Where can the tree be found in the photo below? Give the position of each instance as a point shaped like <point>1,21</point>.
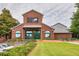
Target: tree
<point>75,22</point>
<point>6,22</point>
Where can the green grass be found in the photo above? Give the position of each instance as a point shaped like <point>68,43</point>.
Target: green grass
<point>21,50</point>
<point>55,49</point>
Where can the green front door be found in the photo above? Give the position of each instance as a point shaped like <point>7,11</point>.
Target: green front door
<point>36,34</point>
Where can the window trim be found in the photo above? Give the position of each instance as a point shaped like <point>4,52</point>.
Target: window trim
<point>18,34</point>
<point>31,20</point>
<point>47,33</point>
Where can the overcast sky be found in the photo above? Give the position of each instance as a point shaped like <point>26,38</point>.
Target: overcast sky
<point>53,13</point>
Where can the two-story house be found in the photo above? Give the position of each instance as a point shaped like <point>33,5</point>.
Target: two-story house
<point>32,27</point>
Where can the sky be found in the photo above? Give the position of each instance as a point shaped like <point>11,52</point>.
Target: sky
<point>53,12</point>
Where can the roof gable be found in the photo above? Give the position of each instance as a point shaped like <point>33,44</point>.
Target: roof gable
<point>59,24</point>
<point>17,26</point>
<point>48,26</point>
<point>33,11</point>
<point>60,28</point>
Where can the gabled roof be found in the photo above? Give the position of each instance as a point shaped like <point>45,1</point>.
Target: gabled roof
<point>16,26</point>
<point>33,11</point>
<point>60,28</point>
<point>48,26</point>
<point>58,24</point>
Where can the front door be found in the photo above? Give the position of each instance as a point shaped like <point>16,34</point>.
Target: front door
<point>32,35</point>
<point>36,34</point>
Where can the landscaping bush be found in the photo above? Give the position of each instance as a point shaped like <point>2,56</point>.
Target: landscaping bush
<point>22,50</point>
<point>74,38</point>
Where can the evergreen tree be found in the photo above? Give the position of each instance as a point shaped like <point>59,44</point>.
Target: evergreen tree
<point>75,22</point>
<point>6,22</point>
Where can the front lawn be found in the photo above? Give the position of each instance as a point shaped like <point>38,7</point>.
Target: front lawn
<point>55,49</point>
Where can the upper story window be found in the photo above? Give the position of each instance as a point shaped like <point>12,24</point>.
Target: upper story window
<point>32,20</point>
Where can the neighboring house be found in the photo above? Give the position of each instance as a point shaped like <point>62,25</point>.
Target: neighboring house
<point>61,31</point>
<point>32,27</point>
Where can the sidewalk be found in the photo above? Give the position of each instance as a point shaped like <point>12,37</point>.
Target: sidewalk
<point>74,43</point>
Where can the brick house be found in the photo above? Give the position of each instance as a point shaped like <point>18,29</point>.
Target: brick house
<point>61,31</point>
<point>32,27</point>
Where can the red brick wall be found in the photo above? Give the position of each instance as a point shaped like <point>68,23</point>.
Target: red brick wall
<point>39,16</point>
<point>62,35</point>
<point>46,28</point>
<point>32,14</point>
<point>18,28</point>
<point>25,16</point>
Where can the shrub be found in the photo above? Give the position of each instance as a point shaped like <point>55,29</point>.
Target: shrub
<point>64,39</point>
<point>22,50</point>
<point>74,38</point>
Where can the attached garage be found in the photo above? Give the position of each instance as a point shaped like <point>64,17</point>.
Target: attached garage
<point>62,35</point>
<point>61,31</point>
